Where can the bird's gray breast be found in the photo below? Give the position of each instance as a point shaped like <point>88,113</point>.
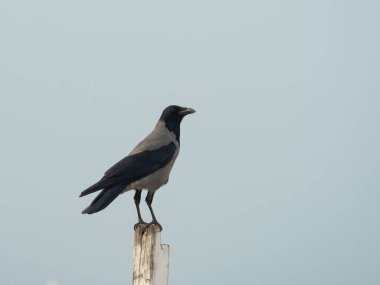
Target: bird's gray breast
<point>155,180</point>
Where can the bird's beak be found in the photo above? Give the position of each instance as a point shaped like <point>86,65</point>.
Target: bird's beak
<point>186,111</point>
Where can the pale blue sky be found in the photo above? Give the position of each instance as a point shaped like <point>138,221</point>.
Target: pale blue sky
<point>278,177</point>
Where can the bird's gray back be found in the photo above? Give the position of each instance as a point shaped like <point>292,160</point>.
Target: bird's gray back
<point>157,138</point>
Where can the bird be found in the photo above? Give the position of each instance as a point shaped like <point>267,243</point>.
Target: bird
<point>147,167</point>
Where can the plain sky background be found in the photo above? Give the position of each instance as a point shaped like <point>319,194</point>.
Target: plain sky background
<point>278,179</point>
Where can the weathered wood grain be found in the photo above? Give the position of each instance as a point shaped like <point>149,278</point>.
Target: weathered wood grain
<point>150,257</point>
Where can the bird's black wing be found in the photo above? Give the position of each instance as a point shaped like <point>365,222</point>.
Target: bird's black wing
<point>134,167</point>
<point>141,164</point>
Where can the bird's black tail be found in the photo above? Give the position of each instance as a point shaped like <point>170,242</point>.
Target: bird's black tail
<point>103,199</point>
<point>96,187</point>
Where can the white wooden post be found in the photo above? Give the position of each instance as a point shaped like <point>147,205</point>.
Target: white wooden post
<point>150,257</point>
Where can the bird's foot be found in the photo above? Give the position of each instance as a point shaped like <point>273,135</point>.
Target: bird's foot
<point>140,223</point>
<point>154,222</point>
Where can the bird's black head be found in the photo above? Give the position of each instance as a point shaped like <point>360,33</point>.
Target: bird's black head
<point>172,117</point>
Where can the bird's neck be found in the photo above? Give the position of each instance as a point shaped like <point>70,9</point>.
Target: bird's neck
<point>174,127</point>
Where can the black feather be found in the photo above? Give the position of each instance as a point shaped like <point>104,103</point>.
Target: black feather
<point>103,199</point>
<point>126,171</point>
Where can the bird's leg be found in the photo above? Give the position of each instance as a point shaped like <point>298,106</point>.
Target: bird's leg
<point>149,200</point>
<point>137,199</point>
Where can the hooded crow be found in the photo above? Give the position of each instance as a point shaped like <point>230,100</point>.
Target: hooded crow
<point>147,166</point>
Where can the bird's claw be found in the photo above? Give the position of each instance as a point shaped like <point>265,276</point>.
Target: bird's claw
<point>156,224</point>
<point>142,223</point>
<point>152,223</point>
<point>145,226</point>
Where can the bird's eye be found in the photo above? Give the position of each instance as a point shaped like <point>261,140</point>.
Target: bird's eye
<point>173,109</point>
